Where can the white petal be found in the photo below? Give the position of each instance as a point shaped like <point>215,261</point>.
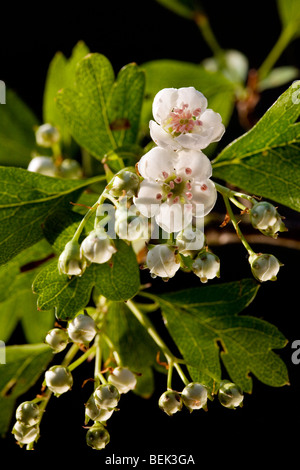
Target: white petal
<point>194,98</point>
<point>162,137</point>
<point>194,160</point>
<point>212,125</point>
<point>203,199</point>
<point>174,217</point>
<point>155,162</point>
<point>163,103</point>
<point>162,261</point>
<point>146,201</point>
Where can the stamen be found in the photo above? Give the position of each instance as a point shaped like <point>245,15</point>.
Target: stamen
<point>189,195</point>
<point>171,184</point>
<point>188,171</point>
<point>188,186</point>
<point>165,174</point>
<point>170,195</point>
<point>178,180</point>
<point>158,196</point>
<point>204,187</point>
<point>176,199</point>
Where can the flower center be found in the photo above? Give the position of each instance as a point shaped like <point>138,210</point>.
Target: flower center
<point>182,120</point>
<point>175,189</point>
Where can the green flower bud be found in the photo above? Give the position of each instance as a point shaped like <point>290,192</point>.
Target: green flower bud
<point>58,379</point>
<point>190,241</point>
<point>124,183</point>
<point>230,395</point>
<point>97,436</point>
<point>107,396</point>
<point>57,339</point>
<point>264,267</point>
<point>28,413</point>
<point>25,434</point>
<point>206,266</point>
<point>97,247</point>
<point>70,169</point>
<point>170,402</point>
<point>47,135</point>
<point>264,217</point>
<point>43,166</point>
<point>95,413</point>
<point>123,379</point>
<point>71,261</point>
<point>194,396</point>
<point>82,329</point>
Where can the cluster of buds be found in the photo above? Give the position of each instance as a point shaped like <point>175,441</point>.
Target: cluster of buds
<point>81,330</point>
<point>26,428</point>
<point>188,252</point>
<point>194,397</point>
<point>48,136</point>
<point>103,402</point>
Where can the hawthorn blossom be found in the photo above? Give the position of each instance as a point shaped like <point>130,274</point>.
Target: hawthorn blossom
<point>182,120</point>
<point>176,187</point>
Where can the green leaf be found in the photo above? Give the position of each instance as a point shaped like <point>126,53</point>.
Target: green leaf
<point>135,347</point>
<point>24,365</point>
<point>266,160</point>
<point>60,74</point>
<point>26,200</point>
<point>17,137</point>
<point>103,114</point>
<point>206,326</point>
<point>117,280</point>
<point>160,74</point>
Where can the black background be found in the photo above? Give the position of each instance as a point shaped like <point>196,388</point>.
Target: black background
<point>126,32</point>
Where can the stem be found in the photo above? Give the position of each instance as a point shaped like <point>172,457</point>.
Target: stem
<point>170,373</point>
<point>230,193</point>
<point>112,348</point>
<point>146,323</point>
<point>203,24</point>
<point>99,377</point>
<point>82,358</point>
<point>236,226</point>
<point>284,39</point>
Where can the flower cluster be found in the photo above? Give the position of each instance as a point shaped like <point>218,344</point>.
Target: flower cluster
<point>176,189</point>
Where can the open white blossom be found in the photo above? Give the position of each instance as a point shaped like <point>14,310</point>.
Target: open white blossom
<point>176,187</point>
<point>182,120</point>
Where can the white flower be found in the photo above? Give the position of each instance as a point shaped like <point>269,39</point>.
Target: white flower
<point>190,240</point>
<point>97,247</point>
<point>162,261</point>
<point>182,120</point>
<point>175,188</point>
<point>129,224</point>
<point>206,266</point>
<point>264,266</point>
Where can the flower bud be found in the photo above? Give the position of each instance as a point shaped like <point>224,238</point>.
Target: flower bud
<point>106,396</point>
<point>25,434</point>
<point>124,183</point>
<point>82,329</point>
<point>47,135</point>
<point>28,413</point>
<point>57,339</point>
<point>70,169</point>
<point>190,241</point>
<point>264,267</point>
<point>264,217</point>
<point>42,165</point>
<point>123,379</point>
<point>230,395</point>
<point>162,261</point>
<point>95,413</point>
<point>71,261</point>
<point>194,396</point>
<point>58,379</point>
<point>97,247</point>
<point>130,224</point>
<point>97,436</point>
<point>206,266</point>
<point>170,402</point>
